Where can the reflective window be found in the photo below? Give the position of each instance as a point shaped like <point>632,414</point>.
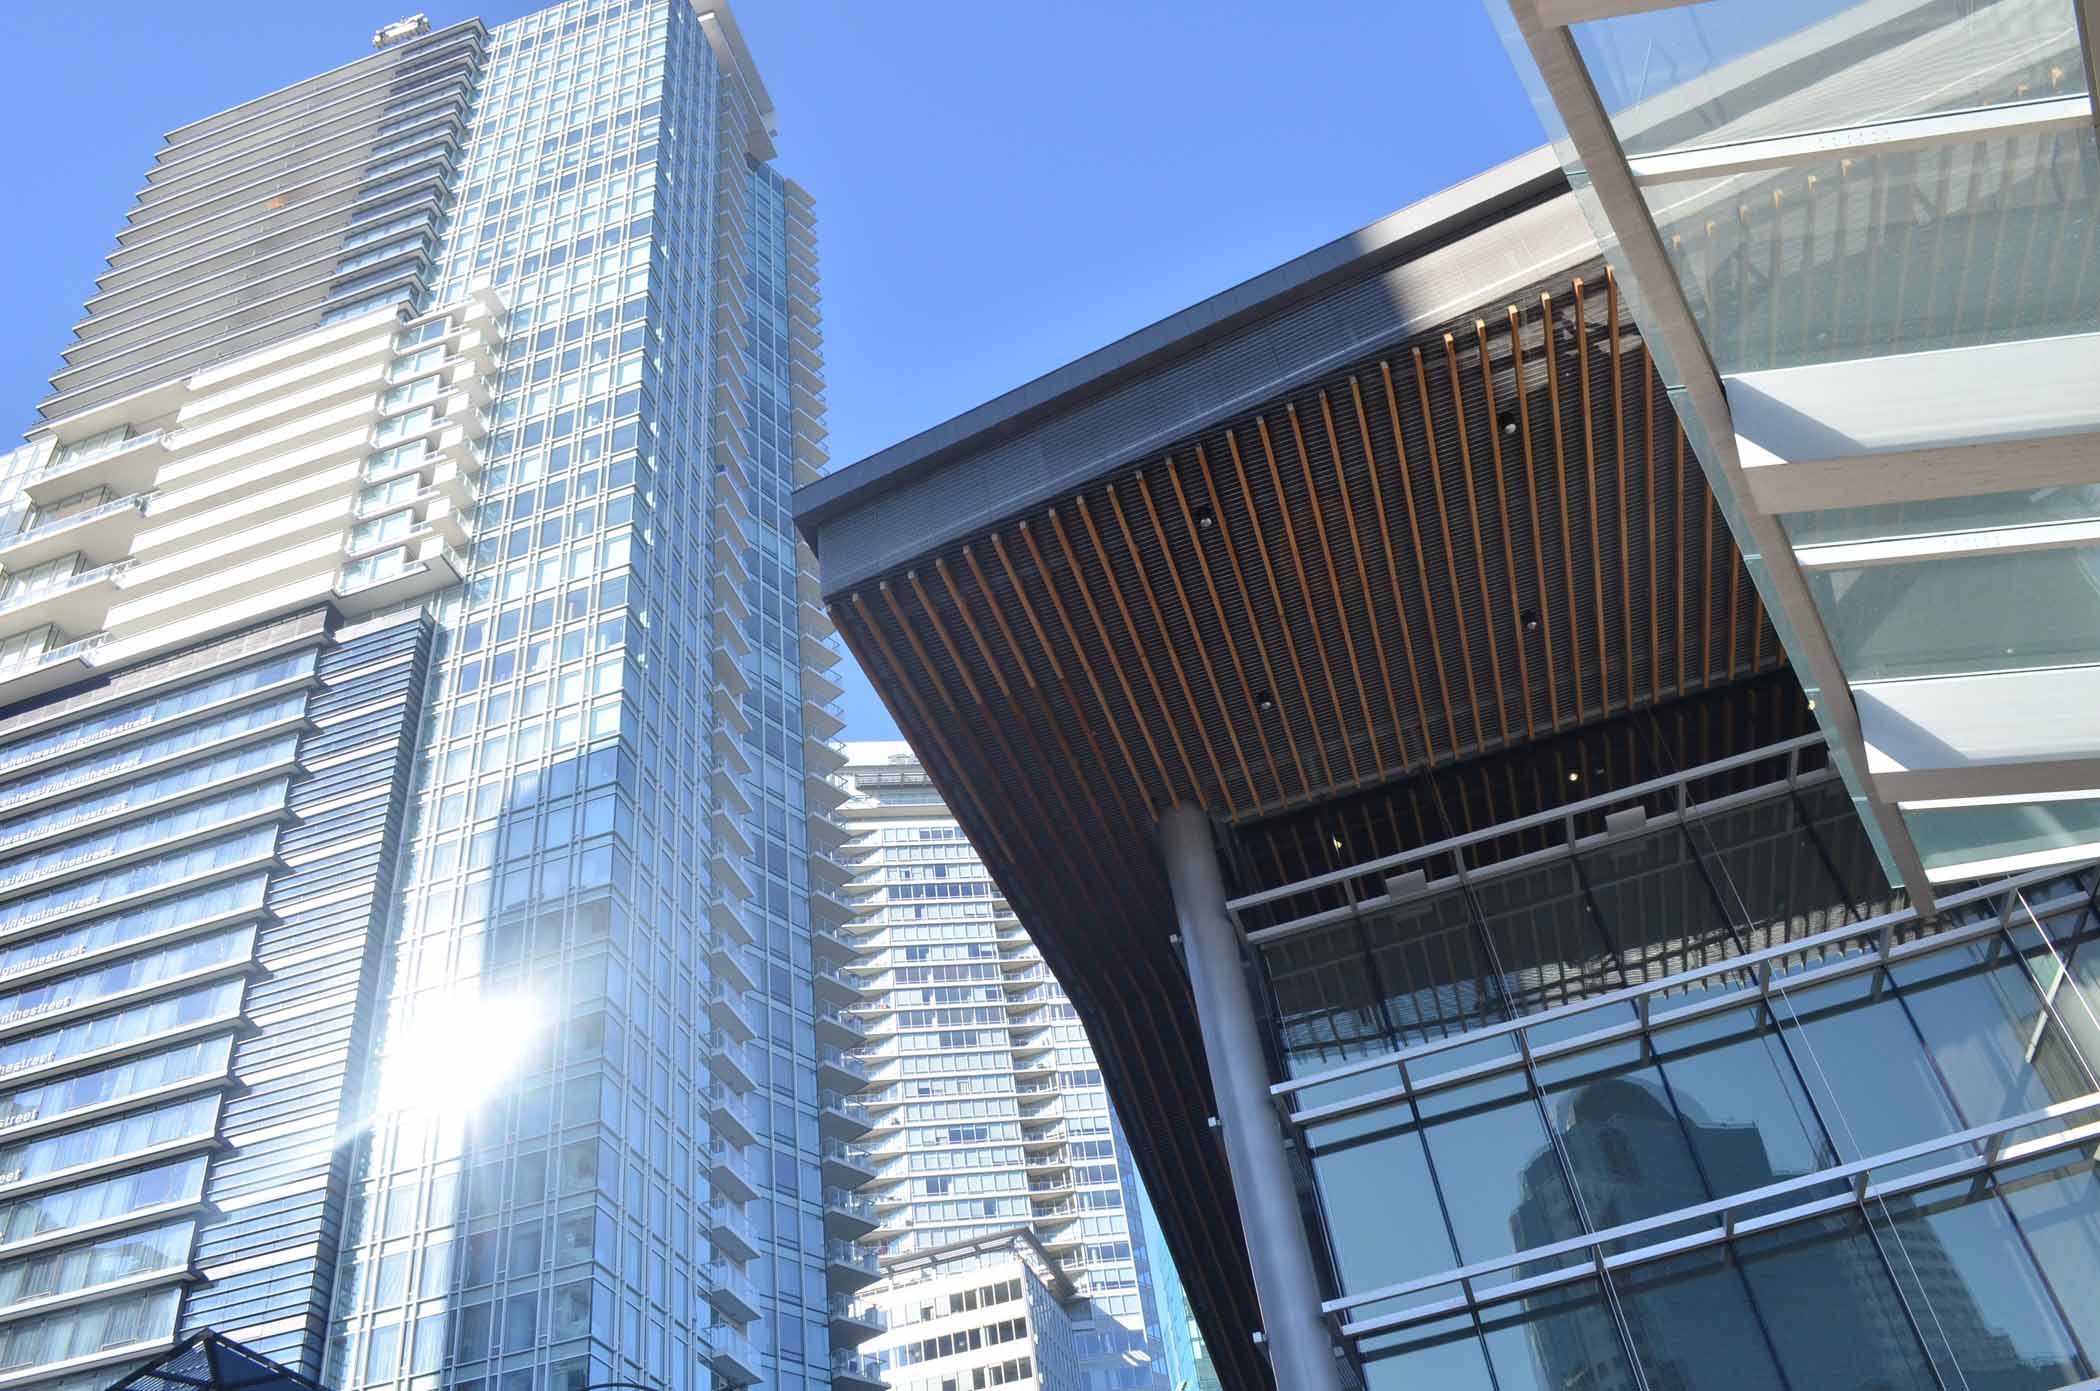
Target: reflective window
<point>92,1144</point>
<point>23,1218</point>
<point>89,1329</point>
<point>93,1263</point>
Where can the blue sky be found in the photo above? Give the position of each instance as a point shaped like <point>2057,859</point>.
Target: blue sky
<point>1001,187</point>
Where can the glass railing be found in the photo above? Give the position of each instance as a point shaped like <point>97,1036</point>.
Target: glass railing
<point>51,656</point>
<point>82,580</point>
<point>842,1153</point>
<point>73,457</point>
<point>722,1213</point>
<point>853,1364</point>
<point>136,502</point>
<point>844,1061</point>
<point>729,1343</point>
<point>866,1315</point>
<point>847,1254</point>
<point>853,1205</point>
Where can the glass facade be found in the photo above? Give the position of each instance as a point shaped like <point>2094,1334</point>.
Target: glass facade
<point>415,982</point>
<point>1690,1106</point>
<point>984,1096</point>
<point>1863,235</point>
<point>612,823</point>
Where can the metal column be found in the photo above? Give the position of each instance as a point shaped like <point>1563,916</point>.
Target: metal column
<point>1300,1351</point>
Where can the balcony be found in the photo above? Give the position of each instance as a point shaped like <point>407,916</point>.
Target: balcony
<point>835,988</point>
<point>731,1231</point>
<point>730,1291</point>
<point>123,466</point>
<point>729,968</point>
<point>52,667</point>
<point>847,1215</point>
<point>731,1173</point>
<point>733,1358</point>
<point>100,534</point>
<point>726,1060</point>
<point>831,945</point>
<point>840,1071</point>
<point>727,1011</point>
<point>854,1322</point>
<point>836,1030</point>
<point>852,1372</point>
<point>79,603</point>
<point>850,1267</point>
<point>839,1118</point>
<point>844,1166</point>
<point>731,1115</point>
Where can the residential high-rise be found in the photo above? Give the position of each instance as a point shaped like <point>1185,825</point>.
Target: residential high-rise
<point>415,850</point>
<point>985,1105</point>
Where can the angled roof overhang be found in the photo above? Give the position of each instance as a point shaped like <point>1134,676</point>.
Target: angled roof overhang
<point>1395,513</point>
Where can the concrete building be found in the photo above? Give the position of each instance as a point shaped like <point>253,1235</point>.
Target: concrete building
<point>985,1107</point>
<point>1524,952</point>
<point>416,857</point>
<point>991,1311</point>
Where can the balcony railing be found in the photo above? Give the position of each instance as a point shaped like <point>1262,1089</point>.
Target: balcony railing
<point>135,502</point>
<point>83,580</point>
<point>852,1310</point>
<point>68,460</point>
<point>853,1257</point>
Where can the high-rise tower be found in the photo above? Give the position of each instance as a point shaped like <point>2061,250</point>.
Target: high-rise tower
<point>985,1103</point>
<point>414,830</point>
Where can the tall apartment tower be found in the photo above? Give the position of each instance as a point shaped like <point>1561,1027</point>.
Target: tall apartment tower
<point>415,849</point>
<point>985,1105</point>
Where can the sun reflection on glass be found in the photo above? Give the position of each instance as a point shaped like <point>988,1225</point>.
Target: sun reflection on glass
<point>456,1053</point>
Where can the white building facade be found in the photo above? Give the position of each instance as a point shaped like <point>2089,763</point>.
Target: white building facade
<point>985,1100</point>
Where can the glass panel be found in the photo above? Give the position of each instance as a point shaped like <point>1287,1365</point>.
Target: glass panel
<point>1556,1340</point>
<point>1770,872</point>
<point>1444,1354</point>
<point>1657,908</point>
<point>1945,617</point>
<point>1547,945</point>
<point>1430,966</point>
<point>1384,1222</point>
<point>1325,1000</point>
<point>1835,1319</point>
<point>1948,836</point>
<point>1839,830</point>
<point>1997,1050</point>
<point>1947,516</point>
<point>1986,1316</point>
<point>1864,1065</point>
<point>1501,1179</point>
<point>1704,74</point>
<point>1693,1326</point>
<point>1746,1114</point>
<point>1956,244</point>
<point>1622,1138</point>
<point>2056,1202</point>
<point>2065,961</point>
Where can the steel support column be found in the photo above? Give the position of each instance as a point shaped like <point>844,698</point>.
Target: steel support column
<point>1301,1354</point>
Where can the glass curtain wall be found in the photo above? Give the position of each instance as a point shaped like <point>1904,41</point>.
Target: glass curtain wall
<point>1584,1141</point>
<point>611,814</point>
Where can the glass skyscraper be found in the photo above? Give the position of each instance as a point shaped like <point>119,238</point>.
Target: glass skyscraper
<point>415,851</point>
<point>985,1105</point>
